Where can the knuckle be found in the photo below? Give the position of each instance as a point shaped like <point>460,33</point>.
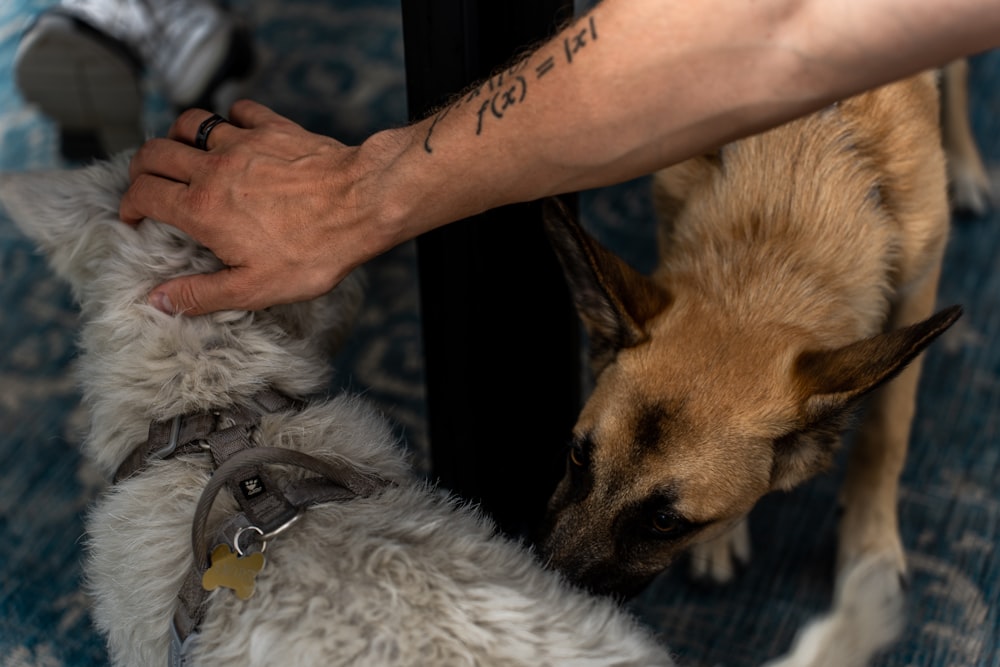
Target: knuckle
<point>189,118</point>
<point>242,106</point>
<point>215,169</point>
<point>139,158</point>
<point>187,299</point>
<point>139,200</point>
<point>227,161</point>
<point>127,211</point>
<point>137,194</point>
<point>141,184</point>
<point>261,289</point>
<point>251,291</point>
<point>201,201</point>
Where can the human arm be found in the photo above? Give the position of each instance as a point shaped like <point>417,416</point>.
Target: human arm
<point>632,86</point>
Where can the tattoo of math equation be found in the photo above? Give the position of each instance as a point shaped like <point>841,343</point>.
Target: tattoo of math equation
<point>496,96</point>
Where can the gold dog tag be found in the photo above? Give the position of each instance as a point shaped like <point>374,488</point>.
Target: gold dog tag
<point>229,570</point>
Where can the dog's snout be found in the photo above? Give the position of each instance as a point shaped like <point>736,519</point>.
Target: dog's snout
<point>568,547</point>
<point>600,576</point>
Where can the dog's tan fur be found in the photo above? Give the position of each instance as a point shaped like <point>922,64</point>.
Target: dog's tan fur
<point>798,273</point>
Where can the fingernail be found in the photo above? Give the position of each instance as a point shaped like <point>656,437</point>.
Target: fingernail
<point>161,302</point>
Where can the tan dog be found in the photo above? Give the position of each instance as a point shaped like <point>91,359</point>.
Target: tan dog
<point>798,273</point>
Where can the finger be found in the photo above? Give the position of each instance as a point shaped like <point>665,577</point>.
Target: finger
<point>185,129</point>
<point>185,126</point>
<point>154,197</point>
<point>199,294</point>
<point>165,158</point>
<point>248,114</point>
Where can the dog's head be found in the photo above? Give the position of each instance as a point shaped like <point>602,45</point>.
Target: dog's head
<point>174,363</point>
<point>692,419</point>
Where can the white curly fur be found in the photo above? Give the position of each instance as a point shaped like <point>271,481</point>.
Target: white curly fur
<point>410,576</point>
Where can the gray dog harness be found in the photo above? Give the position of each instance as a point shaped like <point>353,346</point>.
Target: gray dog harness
<point>232,558</point>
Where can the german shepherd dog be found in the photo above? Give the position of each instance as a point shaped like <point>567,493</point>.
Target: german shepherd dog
<point>798,273</point>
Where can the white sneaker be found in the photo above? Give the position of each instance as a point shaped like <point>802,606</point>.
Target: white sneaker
<point>82,62</point>
<point>87,82</point>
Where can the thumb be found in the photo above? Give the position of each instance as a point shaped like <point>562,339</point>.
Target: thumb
<point>198,294</point>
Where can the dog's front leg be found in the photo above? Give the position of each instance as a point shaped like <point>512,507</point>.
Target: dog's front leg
<point>971,190</point>
<point>870,525</point>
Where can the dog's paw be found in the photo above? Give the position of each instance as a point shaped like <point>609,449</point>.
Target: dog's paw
<point>717,561</point>
<point>868,615</point>
<point>970,189</point>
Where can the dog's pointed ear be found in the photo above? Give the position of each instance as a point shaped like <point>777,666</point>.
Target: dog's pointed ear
<point>834,379</point>
<point>613,300</point>
<point>58,210</point>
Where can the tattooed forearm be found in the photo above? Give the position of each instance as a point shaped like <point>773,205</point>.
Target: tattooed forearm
<point>580,39</point>
<point>505,91</point>
<point>496,96</point>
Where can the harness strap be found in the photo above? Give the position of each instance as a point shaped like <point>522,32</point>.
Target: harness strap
<point>232,437</point>
<point>186,433</point>
<point>223,432</point>
<point>264,505</point>
<point>345,479</point>
<point>337,481</point>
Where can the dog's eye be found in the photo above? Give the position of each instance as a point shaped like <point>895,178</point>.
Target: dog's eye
<point>577,456</point>
<point>664,523</point>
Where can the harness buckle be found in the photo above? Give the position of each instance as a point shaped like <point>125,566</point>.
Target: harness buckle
<point>171,446</point>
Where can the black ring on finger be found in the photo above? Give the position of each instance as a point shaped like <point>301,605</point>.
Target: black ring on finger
<point>206,127</point>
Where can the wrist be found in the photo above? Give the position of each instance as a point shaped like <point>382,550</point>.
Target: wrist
<point>414,190</point>
<point>385,208</point>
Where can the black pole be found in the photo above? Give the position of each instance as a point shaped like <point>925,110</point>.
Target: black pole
<point>501,339</point>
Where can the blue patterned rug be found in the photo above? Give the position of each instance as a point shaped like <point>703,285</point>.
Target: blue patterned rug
<point>337,67</point>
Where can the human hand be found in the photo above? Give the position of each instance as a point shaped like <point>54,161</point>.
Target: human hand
<point>289,212</point>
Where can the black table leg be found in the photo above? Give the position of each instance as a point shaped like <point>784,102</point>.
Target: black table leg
<point>501,339</point>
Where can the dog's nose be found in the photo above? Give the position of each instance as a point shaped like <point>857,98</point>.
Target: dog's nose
<point>599,574</point>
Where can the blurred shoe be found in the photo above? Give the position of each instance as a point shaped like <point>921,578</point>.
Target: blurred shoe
<point>86,81</point>
<point>82,63</point>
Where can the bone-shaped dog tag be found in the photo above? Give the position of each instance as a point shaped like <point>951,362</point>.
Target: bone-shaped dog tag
<point>232,571</point>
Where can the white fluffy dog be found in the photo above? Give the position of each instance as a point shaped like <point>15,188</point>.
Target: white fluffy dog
<point>381,569</point>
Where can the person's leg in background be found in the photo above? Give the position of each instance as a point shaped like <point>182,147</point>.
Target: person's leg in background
<point>83,62</point>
